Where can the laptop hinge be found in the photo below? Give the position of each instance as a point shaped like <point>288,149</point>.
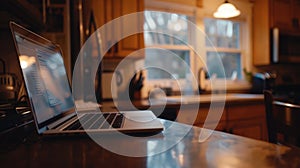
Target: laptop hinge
<point>60,121</point>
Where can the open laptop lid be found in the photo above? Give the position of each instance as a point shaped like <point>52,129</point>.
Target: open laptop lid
<point>44,75</point>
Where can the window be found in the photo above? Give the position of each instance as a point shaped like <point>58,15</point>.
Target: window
<point>227,41</point>
<point>167,64</point>
<point>167,53</point>
<point>171,23</point>
<point>223,36</point>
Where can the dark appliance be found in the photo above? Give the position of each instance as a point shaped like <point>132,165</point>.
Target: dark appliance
<point>263,81</point>
<point>285,46</point>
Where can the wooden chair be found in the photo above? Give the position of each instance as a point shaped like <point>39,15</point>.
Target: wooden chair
<point>283,121</point>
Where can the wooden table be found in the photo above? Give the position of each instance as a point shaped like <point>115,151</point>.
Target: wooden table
<point>220,150</point>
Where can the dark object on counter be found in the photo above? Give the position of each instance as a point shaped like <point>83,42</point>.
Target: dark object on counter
<point>135,86</point>
<point>202,76</point>
<point>263,81</point>
<point>167,90</point>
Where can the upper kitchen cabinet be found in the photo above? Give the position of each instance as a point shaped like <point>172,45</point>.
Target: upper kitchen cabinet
<point>136,41</point>
<point>261,32</point>
<point>268,14</point>
<point>106,11</point>
<point>285,14</point>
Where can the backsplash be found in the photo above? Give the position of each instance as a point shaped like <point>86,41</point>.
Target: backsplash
<point>287,74</point>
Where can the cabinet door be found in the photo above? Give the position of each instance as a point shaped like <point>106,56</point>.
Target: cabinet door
<point>286,14</point>
<point>282,14</point>
<point>188,116</point>
<point>261,32</point>
<point>212,112</point>
<point>106,11</point>
<point>237,112</point>
<point>103,13</point>
<point>136,41</point>
<point>247,120</point>
<point>253,128</point>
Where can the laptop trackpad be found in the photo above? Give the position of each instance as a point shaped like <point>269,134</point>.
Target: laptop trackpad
<point>140,116</point>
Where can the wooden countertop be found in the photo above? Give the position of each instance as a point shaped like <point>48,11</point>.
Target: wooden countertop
<point>177,101</point>
<point>219,150</point>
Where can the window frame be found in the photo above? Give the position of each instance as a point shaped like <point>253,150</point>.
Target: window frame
<point>172,82</point>
<point>236,84</point>
<point>229,50</point>
<point>206,11</point>
<point>193,68</point>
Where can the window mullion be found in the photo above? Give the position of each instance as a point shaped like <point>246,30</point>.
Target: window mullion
<point>219,49</point>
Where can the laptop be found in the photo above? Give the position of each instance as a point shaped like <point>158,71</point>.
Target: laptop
<point>51,100</point>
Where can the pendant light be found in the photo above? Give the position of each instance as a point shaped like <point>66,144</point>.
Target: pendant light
<point>226,10</point>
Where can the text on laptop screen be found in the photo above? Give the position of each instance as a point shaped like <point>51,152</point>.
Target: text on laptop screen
<point>45,77</point>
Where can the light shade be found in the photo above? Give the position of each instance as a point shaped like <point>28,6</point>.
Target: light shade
<point>226,10</point>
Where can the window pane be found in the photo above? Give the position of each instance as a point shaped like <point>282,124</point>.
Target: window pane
<point>222,33</point>
<point>167,64</point>
<point>231,63</point>
<point>171,23</point>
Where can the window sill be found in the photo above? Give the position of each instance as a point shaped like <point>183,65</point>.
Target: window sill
<point>231,85</point>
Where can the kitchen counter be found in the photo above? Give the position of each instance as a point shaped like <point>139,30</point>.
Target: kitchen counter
<point>240,114</point>
<point>177,101</point>
<point>215,98</point>
<point>219,150</point>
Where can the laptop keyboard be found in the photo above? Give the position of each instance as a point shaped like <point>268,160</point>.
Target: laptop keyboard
<point>97,121</point>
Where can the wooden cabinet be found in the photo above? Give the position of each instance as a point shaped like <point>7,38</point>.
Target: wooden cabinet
<point>247,120</point>
<point>267,14</point>
<point>136,41</point>
<point>198,117</point>
<point>106,11</point>
<point>285,14</point>
<point>251,128</point>
<point>103,13</point>
<point>243,119</point>
<point>281,14</point>
<point>261,33</point>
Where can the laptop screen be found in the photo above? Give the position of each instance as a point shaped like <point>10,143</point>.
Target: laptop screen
<point>44,75</point>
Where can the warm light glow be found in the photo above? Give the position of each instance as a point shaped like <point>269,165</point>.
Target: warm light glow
<point>26,61</point>
<point>24,64</point>
<point>226,10</point>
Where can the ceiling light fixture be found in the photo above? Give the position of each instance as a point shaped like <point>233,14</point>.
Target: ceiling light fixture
<point>226,10</point>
